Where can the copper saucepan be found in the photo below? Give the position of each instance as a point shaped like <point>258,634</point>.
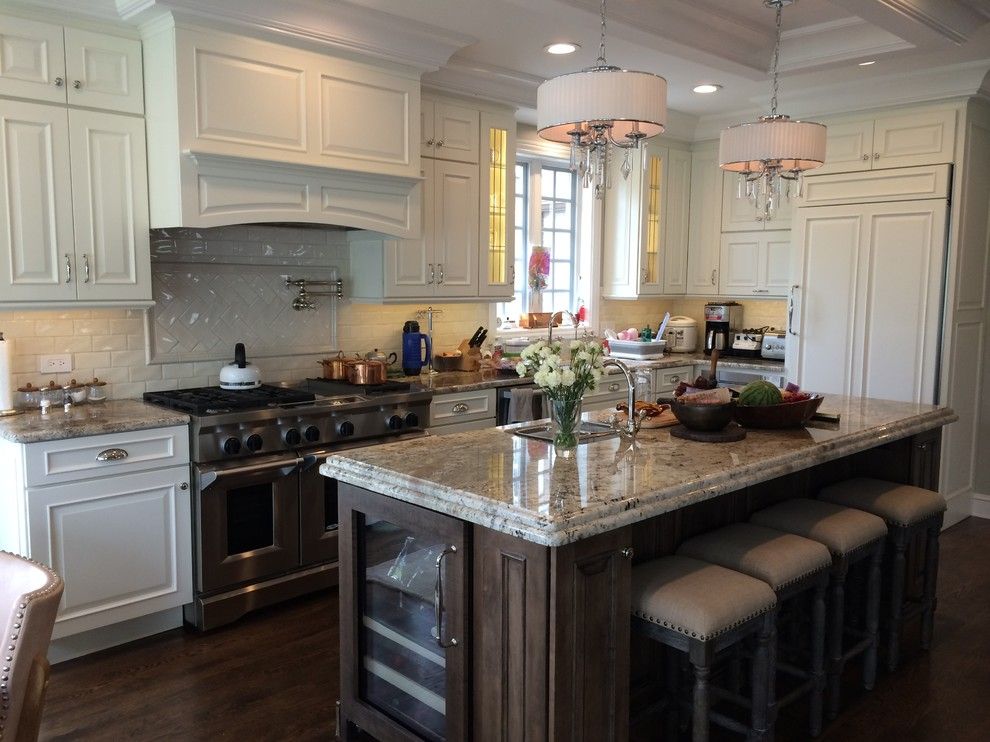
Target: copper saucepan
<point>336,368</point>
<point>366,372</point>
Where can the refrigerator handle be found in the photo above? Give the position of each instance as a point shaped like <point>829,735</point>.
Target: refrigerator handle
<point>790,310</point>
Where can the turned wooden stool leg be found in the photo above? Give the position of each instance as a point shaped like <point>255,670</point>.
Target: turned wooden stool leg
<point>701,662</point>
<point>817,658</point>
<point>897,576</point>
<point>872,618</point>
<point>764,686</point>
<point>672,672</point>
<point>931,580</point>
<point>835,629</point>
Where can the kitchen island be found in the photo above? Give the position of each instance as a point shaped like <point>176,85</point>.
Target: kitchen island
<point>536,553</point>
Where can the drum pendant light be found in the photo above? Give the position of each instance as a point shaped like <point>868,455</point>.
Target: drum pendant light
<point>770,154</point>
<point>599,108</point>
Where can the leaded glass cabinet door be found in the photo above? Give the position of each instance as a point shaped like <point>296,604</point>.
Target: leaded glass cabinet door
<point>654,219</point>
<point>498,164</point>
<point>403,619</point>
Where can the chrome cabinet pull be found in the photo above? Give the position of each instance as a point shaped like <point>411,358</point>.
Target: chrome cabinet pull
<point>77,84</point>
<point>68,269</point>
<point>613,387</point>
<point>460,408</point>
<point>876,155</point>
<point>112,454</point>
<point>439,142</point>
<point>429,142</point>
<point>438,600</point>
<point>85,268</point>
<point>628,552</point>
<point>432,274</point>
<point>59,82</point>
<point>440,271</point>
<point>674,379</point>
<point>790,310</point>
<point>866,157</point>
<point>714,272</point>
<point>761,291</point>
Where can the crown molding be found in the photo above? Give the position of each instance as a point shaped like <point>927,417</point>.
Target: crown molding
<point>491,82</point>
<point>836,41</point>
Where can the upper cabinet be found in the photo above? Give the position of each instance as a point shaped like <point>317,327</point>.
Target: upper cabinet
<point>46,62</point>
<point>904,139</point>
<point>645,224</point>
<point>704,233</point>
<point>755,264</point>
<point>498,205</point>
<point>242,130</point>
<point>740,215</point>
<point>449,131</point>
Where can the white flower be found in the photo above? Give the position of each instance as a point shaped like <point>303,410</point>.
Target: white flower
<point>576,345</point>
<point>553,378</point>
<point>567,377</point>
<point>521,369</point>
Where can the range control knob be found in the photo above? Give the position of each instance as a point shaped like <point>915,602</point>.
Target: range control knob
<point>412,420</point>
<point>231,446</point>
<point>312,434</point>
<point>346,429</point>
<point>394,422</point>
<point>292,437</point>
<point>254,443</point>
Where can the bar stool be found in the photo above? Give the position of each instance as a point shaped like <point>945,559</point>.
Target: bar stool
<point>907,512</point>
<point>792,566</point>
<point>852,536</point>
<point>702,609</point>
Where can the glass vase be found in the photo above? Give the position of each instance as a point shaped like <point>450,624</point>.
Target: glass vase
<point>535,301</point>
<point>565,423</point>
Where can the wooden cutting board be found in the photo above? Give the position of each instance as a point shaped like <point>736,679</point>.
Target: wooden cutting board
<point>666,419</point>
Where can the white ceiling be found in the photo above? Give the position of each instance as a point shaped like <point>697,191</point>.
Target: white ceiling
<point>924,49</point>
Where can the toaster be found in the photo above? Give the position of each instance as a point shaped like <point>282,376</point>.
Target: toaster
<point>747,343</point>
<point>774,345</point>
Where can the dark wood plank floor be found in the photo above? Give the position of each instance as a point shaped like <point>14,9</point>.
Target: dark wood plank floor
<point>273,675</point>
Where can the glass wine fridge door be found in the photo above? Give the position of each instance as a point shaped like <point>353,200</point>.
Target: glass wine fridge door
<point>408,614</point>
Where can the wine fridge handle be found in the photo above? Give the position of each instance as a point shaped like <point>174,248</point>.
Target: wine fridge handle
<point>438,599</point>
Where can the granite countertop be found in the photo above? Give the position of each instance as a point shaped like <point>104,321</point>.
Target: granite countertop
<point>112,416</point>
<point>520,487</point>
<point>448,382</point>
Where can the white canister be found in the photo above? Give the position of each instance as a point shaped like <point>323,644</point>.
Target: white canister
<point>681,334</point>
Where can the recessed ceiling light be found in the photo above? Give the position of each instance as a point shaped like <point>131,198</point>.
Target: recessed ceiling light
<point>708,87</point>
<point>867,64</point>
<point>562,47</point>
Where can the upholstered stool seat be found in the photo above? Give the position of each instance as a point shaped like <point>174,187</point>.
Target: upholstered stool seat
<point>701,609</point>
<point>908,511</point>
<point>792,566</point>
<point>852,536</point>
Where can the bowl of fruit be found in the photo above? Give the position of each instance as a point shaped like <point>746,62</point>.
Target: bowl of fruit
<point>761,404</point>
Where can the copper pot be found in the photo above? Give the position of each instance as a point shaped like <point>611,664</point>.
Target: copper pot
<point>366,372</point>
<point>336,368</point>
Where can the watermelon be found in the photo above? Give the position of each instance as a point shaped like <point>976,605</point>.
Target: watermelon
<point>759,394</point>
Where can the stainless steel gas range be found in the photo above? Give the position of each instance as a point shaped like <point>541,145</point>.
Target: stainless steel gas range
<point>264,519</point>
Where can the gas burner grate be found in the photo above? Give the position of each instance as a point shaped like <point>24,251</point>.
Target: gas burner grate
<point>210,399</point>
<point>336,388</point>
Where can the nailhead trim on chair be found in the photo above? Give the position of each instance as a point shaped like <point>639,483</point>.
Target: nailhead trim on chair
<point>702,637</point>
<point>9,659</point>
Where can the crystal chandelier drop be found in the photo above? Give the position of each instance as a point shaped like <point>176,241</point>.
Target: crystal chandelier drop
<point>770,154</point>
<point>598,108</point>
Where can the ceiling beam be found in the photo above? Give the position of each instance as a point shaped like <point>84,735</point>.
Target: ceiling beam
<point>924,23</point>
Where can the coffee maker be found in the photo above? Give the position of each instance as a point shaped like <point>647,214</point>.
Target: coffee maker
<point>721,321</point>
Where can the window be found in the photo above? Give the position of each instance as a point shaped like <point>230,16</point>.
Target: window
<point>550,193</point>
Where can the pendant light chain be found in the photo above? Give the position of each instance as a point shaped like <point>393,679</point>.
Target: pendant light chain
<point>601,44</point>
<point>776,61</point>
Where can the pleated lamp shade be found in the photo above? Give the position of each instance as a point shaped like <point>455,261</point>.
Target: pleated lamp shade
<point>796,145</point>
<point>634,101</point>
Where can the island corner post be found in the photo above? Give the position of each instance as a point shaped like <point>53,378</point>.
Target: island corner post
<point>543,644</point>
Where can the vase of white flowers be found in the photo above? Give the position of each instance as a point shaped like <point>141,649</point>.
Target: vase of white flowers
<point>563,385</point>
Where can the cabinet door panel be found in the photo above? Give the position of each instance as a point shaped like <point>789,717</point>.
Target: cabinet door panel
<point>455,229</point>
<point>740,263</point>
<point>110,204</point>
<point>122,545</point>
<point>849,148</point>
<point>410,270</point>
<point>107,69</point>
<point>37,240</point>
<point>32,60</point>
<point>776,259</point>
<point>738,214</point>
<point>498,204</point>
<point>915,139</point>
<point>678,202</point>
<point>704,235</point>
<point>650,235</point>
<point>621,262</point>
<point>456,130</point>
<point>427,134</point>
<point>903,300</point>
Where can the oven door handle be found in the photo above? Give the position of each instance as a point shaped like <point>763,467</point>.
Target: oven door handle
<point>210,476</point>
<point>310,460</point>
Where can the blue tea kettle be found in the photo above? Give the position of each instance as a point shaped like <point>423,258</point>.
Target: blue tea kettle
<point>413,359</point>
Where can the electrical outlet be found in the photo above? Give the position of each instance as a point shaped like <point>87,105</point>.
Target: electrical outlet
<point>59,364</point>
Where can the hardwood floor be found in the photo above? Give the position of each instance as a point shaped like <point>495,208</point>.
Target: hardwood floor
<point>273,675</point>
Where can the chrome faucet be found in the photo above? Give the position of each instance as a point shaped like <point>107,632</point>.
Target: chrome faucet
<point>631,426</point>
<point>560,313</point>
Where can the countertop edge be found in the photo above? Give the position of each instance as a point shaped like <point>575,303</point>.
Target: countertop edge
<point>84,428</point>
<point>464,505</point>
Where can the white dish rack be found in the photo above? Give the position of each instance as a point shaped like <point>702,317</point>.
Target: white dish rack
<point>637,350</point>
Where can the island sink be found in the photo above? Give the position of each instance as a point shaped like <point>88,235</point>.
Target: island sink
<point>590,431</point>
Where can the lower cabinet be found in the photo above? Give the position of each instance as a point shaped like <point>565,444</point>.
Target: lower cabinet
<point>461,411</point>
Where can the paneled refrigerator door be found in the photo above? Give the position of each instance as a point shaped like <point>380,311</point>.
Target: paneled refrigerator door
<point>403,604</point>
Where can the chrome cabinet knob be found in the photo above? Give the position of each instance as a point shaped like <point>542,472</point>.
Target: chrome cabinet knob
<point>628,552</point>
<point>184,486</point>
<point>866,157</point>
<point>59,82</point>
<point>77,84</point>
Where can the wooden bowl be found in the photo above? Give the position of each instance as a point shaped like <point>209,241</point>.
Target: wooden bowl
<point>707,417</point>
<point>776,416</point>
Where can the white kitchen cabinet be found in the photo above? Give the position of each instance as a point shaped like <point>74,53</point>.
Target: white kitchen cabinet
<point>48,63</point>
<point>904,139</point>
<point>460,411</point>
<point>754,264</point>
<point>612,389</point>
<point>455,235</point>
<point>868,299</point>
<point>450,131</point>
<point>497,206</point>
<point>116,528</point>
<point>76,200</point>
<point>704,233</point>
<point>740,215</point>
<point>645,224</point>
<point>665,380</point>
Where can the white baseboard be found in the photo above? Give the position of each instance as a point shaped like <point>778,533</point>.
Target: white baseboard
<point>980,506</point>
<point>959,506</point>
<point>77,645</point>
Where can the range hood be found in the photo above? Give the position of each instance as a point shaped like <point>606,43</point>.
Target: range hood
<point>246,131</point>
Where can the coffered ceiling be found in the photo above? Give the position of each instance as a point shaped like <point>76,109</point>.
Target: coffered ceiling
<point>923,49</point>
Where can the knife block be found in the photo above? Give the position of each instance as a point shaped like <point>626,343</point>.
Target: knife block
<point>470,359</point>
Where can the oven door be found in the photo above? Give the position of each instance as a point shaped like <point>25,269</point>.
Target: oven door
<point>247,524</point>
